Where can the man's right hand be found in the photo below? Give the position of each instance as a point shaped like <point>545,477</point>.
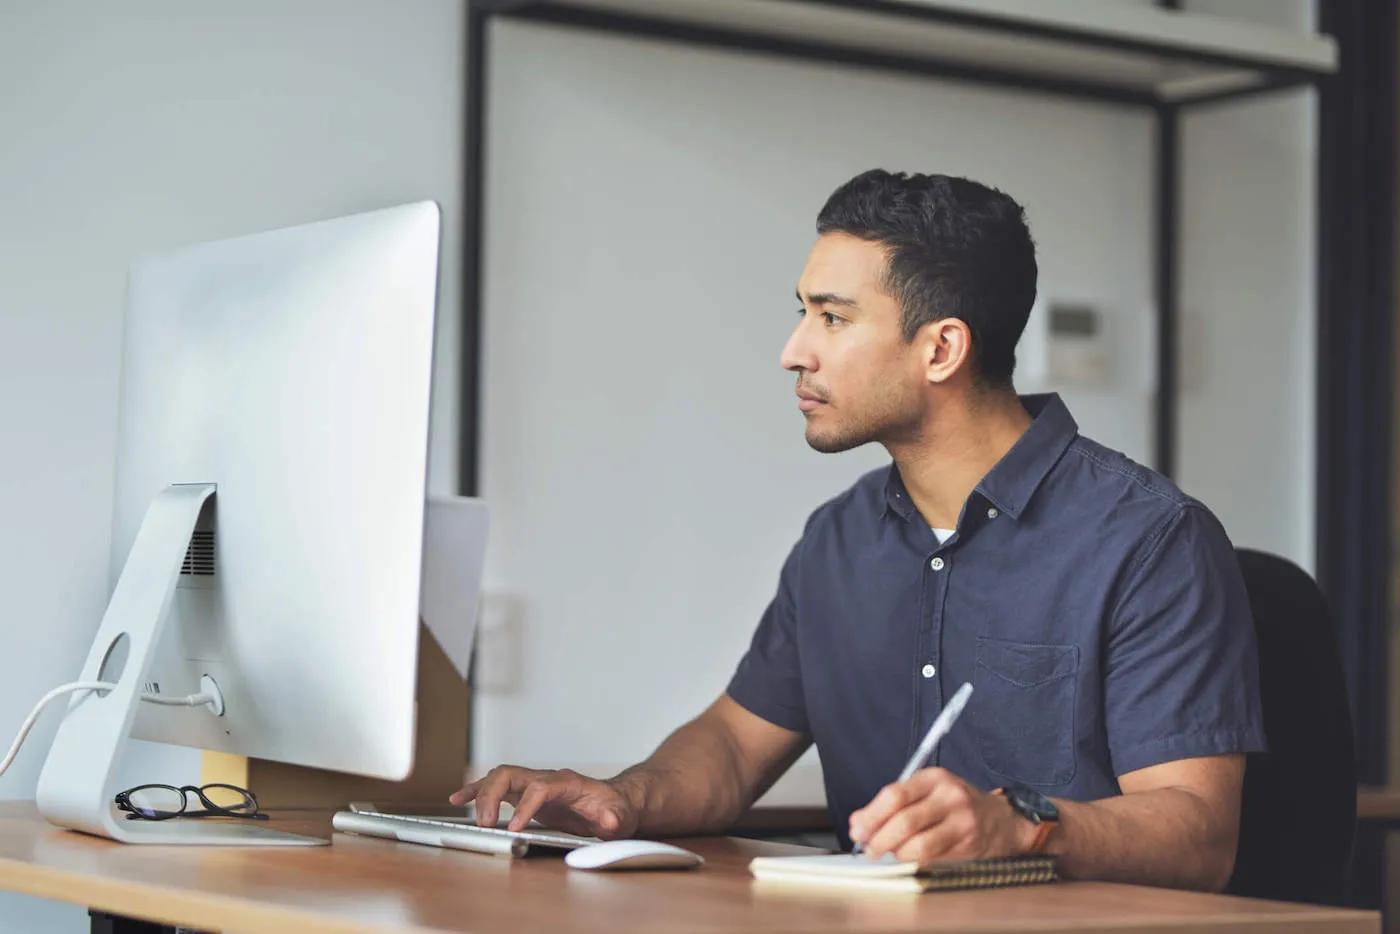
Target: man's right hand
<point>563,800</point>
<point>699,780</point>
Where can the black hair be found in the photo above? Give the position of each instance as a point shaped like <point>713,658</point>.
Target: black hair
<point>956,249</point>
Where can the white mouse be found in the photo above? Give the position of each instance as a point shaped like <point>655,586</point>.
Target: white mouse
<point>632,854</point>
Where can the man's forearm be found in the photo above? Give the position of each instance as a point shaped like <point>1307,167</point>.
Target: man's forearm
<point>1167,836</point>
<point>693,784</point>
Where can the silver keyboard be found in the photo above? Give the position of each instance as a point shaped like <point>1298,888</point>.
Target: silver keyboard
<point>534,833</point>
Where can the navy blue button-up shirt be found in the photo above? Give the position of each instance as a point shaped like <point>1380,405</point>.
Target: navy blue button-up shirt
<point>1098,611</point>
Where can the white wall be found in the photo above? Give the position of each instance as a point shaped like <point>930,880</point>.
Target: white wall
<point>131,127</point>
<point>650,210</point>
<point>1248,286</point>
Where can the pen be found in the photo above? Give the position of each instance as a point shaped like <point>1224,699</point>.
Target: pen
<point>939,729</point>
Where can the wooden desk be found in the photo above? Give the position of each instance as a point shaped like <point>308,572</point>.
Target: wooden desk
<point>1377,817</point>
<point>360,885</point>
<point>1378,803</point>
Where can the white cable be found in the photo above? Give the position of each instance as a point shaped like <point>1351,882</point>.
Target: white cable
<point>192,700</point>
<point>34,714</point>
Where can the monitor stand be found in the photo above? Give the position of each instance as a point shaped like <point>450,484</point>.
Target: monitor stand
<point>76,787</point>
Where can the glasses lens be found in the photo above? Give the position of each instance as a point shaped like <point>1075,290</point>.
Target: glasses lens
<point>228,798</point>
<point>157,801</point>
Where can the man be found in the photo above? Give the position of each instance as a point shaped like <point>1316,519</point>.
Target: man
<point>1098,612</point>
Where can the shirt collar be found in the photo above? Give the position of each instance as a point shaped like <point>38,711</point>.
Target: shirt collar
<point>897,498</point>
<point>1011,483</point>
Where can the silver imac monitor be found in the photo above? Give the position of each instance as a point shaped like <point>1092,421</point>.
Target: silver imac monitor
<point>269,522</point>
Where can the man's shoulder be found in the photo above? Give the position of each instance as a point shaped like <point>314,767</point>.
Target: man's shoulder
<point>1130,493</point>
<point>1093,466</point>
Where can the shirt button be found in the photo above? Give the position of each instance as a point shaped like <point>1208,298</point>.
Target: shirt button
<point>928,671</point>
<point>992,513</point>
<point>936,564</point>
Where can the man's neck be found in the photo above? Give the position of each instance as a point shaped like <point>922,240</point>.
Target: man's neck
<point>955,451</point>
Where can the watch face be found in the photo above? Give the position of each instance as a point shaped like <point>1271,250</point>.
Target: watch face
<point>1032,804</point>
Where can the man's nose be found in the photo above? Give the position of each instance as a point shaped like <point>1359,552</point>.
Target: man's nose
<point>797,353</point>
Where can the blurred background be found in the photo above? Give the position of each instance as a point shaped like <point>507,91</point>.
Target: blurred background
<point>626,209</point>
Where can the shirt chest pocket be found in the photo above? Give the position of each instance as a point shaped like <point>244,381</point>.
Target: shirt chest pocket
<point>1023,706</point>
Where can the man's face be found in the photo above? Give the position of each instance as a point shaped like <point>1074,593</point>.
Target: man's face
<point>858,380</point>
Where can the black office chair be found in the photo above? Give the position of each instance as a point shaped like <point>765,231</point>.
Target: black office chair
<point>1298,814</point>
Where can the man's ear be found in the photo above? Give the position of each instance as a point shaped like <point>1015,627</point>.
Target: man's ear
<point>946,347</point>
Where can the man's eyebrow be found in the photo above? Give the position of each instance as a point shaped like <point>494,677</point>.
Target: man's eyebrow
<point>827,298</point>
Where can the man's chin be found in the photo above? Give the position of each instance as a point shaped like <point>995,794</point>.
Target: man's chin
<point>826,443</point>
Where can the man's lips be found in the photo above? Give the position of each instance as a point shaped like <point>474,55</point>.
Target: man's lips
<point>807,401</point>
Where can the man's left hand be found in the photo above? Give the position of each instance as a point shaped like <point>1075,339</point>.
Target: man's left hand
<point>935,816</point>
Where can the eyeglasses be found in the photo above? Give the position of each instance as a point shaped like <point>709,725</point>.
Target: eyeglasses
<point>162,802</point>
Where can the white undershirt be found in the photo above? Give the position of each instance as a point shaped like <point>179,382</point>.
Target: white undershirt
<point>942,534</point>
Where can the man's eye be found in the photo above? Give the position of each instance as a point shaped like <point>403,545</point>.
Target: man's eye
<point>831,320</point>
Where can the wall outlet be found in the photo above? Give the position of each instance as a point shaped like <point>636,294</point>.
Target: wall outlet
<point>1078,346</point>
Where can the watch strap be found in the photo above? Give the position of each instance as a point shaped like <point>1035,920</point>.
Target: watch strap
<point>1043,827</point>
<point>1042,836</point>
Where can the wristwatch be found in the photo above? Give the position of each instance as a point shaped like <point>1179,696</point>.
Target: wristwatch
<point>1034,807</point>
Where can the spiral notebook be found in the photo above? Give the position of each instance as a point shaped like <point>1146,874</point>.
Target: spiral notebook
<point>843,869</point>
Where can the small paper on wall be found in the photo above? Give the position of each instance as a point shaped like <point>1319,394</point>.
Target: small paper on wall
<point>454,552</point>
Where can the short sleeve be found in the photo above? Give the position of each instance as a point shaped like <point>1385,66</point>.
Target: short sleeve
<point>768,681</point>
<point>1181,665</point>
